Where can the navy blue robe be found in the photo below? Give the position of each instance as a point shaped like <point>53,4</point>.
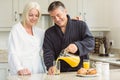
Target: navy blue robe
<point>55,40</point>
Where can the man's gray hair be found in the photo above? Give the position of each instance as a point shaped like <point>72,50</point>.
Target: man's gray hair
<point>54,5</point>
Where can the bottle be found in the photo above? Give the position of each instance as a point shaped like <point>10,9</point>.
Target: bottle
<point>102,50</point>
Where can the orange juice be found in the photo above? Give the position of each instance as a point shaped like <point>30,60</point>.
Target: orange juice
<point>56,71</point>
<point>56,67</point>
<point>86,64</point>
<point>72,61</point>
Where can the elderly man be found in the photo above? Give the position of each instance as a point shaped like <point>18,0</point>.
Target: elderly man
<point>71,35</point>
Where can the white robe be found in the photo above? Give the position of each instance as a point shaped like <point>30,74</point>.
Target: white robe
<point>24,50</point>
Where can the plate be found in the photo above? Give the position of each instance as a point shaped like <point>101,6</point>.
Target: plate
<point>82,75</point>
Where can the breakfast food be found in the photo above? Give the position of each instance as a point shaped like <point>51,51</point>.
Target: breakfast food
<point>91,71</point>
<point>82,71</point>
<point>87,71</point>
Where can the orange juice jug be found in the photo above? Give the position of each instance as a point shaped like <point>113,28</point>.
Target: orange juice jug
<point>72,60</point>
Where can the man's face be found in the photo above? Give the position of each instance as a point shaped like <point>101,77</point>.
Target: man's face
<point>59,16</point>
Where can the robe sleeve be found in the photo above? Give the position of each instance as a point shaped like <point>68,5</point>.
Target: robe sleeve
<point>13,46</point>
<point>85,45</point>
<point>48,51</point>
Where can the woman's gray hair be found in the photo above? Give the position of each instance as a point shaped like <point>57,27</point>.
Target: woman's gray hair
<point>26,10</point>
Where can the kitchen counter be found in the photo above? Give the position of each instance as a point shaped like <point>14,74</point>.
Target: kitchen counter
<point>112,59</point>
<point>114,75</point>
<point>3,57</point>
<point>3,65</point>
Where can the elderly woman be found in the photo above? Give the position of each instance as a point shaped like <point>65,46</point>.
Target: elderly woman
<point>25,43</point>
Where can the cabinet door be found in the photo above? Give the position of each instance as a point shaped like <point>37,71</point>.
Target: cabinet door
<point>95,13</point>
<point>3,71</point>
<point>114,67</point>
<point>6,13</point>
<point>71,6</point>
<point>80,9</point>
<point>43,5</point>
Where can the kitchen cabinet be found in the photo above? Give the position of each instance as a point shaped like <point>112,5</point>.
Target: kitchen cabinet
<point>94,13</point>
<point>114,66</point>
<point>3,71</point>
<point>43,5</point>
<point>70,5</point>
<point>45,20</point>
<point>6,13</point>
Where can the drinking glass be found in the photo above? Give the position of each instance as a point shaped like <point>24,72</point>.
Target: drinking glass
<point>98,66</point>
<point>86,63</point>
<point>56,65</point>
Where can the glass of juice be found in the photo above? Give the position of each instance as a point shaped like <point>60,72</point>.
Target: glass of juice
<point>56,67</point>
<point>86,63</point>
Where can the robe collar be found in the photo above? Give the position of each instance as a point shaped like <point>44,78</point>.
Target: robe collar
<point>65,37</point>
<point>67,27</point>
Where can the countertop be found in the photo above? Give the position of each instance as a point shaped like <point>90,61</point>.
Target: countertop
<point>114,75</point>
<point>110,59</point>
<point>3,57</point>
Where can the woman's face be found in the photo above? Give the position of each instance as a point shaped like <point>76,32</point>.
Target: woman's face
<point>33,17</point>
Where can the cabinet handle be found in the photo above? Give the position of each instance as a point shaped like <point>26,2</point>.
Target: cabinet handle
<point>80,16</point>
<point>15,15</point>
<point>80,13</point>
<point>84,16</point>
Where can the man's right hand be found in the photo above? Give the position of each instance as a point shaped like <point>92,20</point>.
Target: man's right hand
<point>24,72</point>
<point>51,70</point>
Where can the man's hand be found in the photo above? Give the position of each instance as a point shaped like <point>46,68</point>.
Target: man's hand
<point>51,70</point>
<point>24,72</point>
<point>72,48</point>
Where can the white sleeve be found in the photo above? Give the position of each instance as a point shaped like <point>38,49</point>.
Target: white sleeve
<point>13,46</point>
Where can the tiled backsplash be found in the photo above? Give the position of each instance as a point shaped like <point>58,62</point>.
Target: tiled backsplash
<point>99,33</point>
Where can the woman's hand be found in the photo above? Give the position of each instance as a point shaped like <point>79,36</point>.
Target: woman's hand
<point>77,18</point>
<point>24,72</point>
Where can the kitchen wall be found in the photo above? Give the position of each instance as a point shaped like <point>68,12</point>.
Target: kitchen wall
<point>45,21</point>
<point>114,23</point>
<point>4,37</point>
